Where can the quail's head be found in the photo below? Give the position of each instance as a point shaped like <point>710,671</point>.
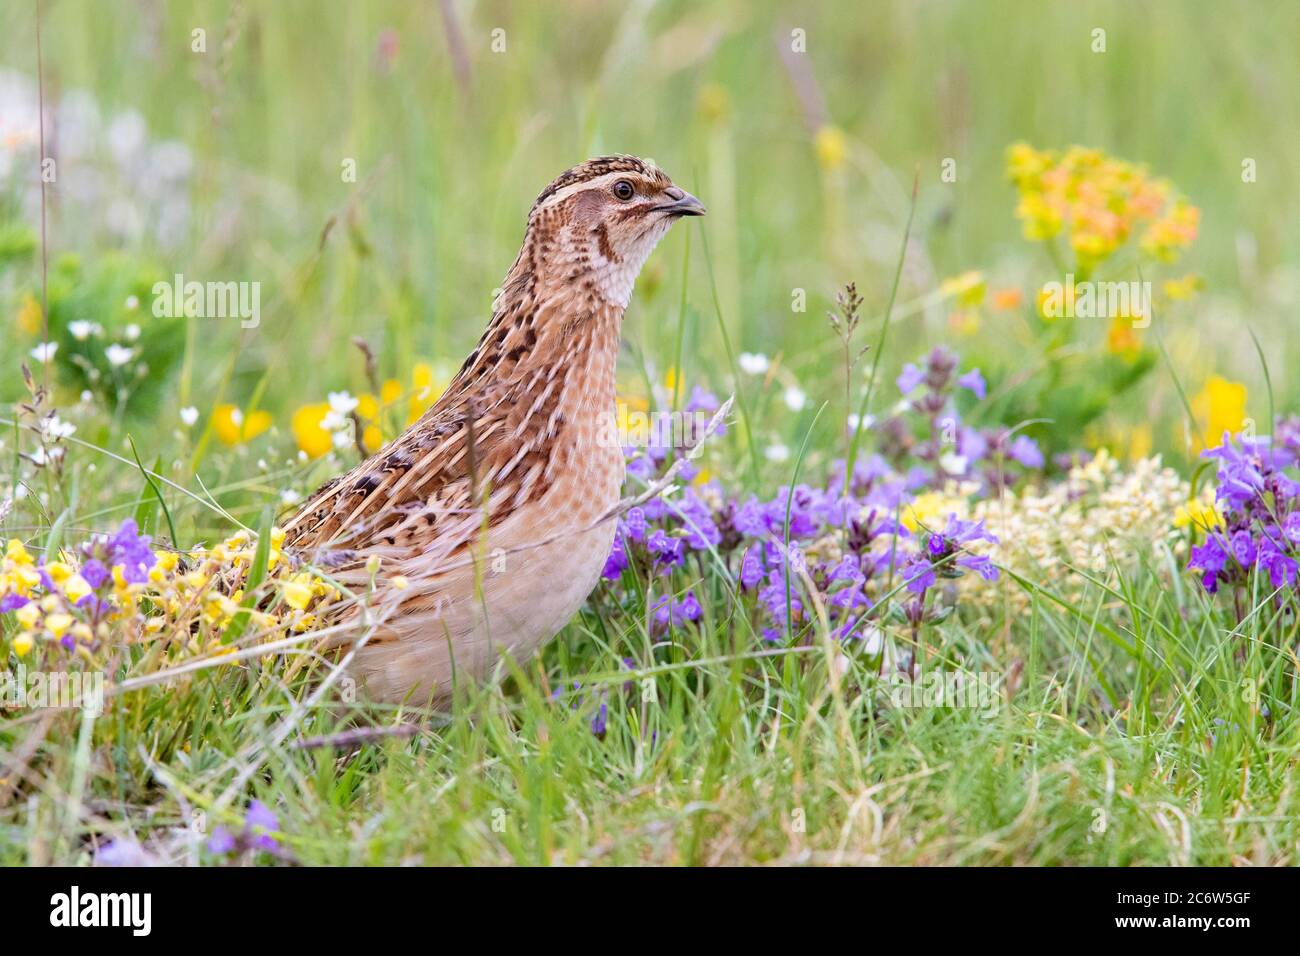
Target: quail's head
<point>599,221</point>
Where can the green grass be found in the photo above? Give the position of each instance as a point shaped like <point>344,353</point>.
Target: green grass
<point>715,755</point>
<point>1132,733</point>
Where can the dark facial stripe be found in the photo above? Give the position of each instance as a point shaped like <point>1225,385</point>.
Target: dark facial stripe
<point>606,250</point>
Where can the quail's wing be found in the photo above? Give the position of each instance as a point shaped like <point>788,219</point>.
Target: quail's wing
<point>475,457</point>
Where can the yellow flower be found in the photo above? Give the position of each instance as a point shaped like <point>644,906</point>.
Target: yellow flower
<point>1185,288</point>
<point>390,392</point>
<point>234,427</point>
<point>713,102</point>
<point>16,553</point>
<point>930,508</point>
<point>311,437</point>
<point>831,147</point>
<point>1219,407</point>
<point>965,322</point>
<point>76,588</point>
<point>56,624</point>
<point>29,314</point>
<point>399,581</point>
<point>28,615</point>
<point>26,577</point>
<point>632,419</point>
<point>22,643</point>
<point>1098,201</point>
<point>298,591</point>
<point>1198,514</point>
<point>1025,164</point>
<point>1122,338</point>
<point>427,387</point>
<point>1172,233</point>
<point>968,288</point>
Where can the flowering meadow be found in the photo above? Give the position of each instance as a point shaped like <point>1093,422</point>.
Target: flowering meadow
<point>989,551</point>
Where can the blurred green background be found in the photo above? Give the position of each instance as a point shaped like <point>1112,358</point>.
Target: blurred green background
<point>457,114</point>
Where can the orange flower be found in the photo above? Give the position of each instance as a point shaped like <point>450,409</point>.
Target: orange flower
<point>1006,299</point>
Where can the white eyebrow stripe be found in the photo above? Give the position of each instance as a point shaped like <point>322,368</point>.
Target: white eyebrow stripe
<point>607,179</point>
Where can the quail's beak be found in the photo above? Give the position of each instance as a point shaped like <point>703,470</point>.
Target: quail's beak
<point>682,204</point>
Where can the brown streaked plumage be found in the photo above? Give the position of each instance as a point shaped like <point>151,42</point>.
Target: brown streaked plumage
<point>489,506</point>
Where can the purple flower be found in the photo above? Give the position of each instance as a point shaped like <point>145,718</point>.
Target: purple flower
<point>750,519</point>
<point>1209,558</point>
<point>910,378</point>
<point>965,532</point>
<point>124,852</point>
<point>260,823</point>
<point>975,382</point>
<point>666,612</point>
<point>666,550</point>
<point>971,445</point>
<point>12,602</point>
<point>980,565</point>
<point>128,548</point>
<point>690,607</point>
<point>702,400</point>
<point>1240,479</point>
<point>617,561</point>
<point>94,572</point>
<point>634,523</point>
<point>773,598</point>
<point>1243,548</point>
<point>701,531</point>
<point>1291,526</point>
<point>918,574</point>
<point>751,568</point>
<point>221,842</point>
<point>1025,450</point>
<point>601,720</point>
<point>1281,569</point>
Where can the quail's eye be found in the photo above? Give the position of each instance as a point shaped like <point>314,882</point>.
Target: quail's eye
<point>623,190</point>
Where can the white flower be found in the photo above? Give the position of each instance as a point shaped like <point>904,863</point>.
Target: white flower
<point>854,419</point>
<point>873,642</point>
<point>777,452</point>
<point>953,463</point>
<point>132,303</point>
<point>289,497</point>
<point>189,415</point>
<point>753,363</point>
<point>82,329</point>
<point>342,439</point>
<point>343,402</point>
<point>795,399</point>
<point>118,355</point>
<point>45,351</point>
<point>132,332</point>
<point>55,428</point>
<point>40,457</point>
